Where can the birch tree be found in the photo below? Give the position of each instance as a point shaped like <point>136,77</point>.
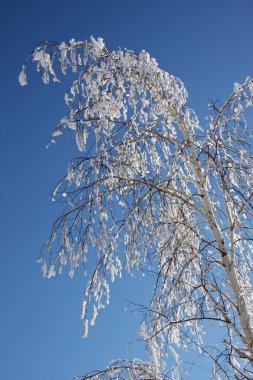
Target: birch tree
<point>154,190</point>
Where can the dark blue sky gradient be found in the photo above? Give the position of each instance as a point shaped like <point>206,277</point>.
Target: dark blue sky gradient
<point>208,44</point>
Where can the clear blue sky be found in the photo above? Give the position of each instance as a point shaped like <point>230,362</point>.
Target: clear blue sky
<point>207,43</point>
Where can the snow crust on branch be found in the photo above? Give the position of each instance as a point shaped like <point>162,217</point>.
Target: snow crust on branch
<point>125,369</point>
<point>154,191</point>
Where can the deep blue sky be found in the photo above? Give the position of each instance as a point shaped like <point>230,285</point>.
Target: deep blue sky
<point>207,43</point>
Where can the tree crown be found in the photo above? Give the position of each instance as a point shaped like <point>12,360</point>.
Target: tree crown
<point>155,191</point>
